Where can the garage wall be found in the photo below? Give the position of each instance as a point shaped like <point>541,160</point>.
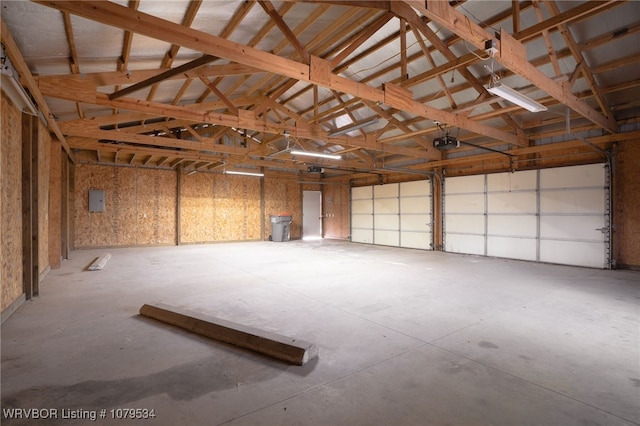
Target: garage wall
<point>627,204</point>
<point>10,204</point>
<point>216,207</point>
<point>44,169</point>
<point>555,215</point>
<point>283,195</point>
<point>141,207</point>
<point>335,208</point>
<point>395,214</point>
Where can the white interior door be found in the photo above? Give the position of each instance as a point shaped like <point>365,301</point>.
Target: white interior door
<point>311,214</point>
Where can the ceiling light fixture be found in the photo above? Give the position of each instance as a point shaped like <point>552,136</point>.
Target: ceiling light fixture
<point>237,172</point>
<point>317,154</point>
<point>506,92</point>
<point>352,128</point>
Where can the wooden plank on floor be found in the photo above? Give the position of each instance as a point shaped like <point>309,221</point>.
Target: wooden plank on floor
<point>100,262</point>
<point>285,348</point>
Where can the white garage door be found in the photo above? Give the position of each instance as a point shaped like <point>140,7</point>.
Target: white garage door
<point>392,214</point>
<point>554,215</point>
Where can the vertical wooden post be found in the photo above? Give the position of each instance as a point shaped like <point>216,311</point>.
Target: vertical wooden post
<point>438,217</point>
<point>30,242</point>
<point>64,206</point>
<point>262,207</point>
<point>71,203</point>
<point>178,205</point>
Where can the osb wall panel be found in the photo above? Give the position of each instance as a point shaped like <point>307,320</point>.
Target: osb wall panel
<point>280,196</point>
<point>44,166</point>
<point>10,203</point>
<point>55,204</point>
<point>139,207</point>
<point>196,208</point>
<point>627,203</point>
<point>236,208</point>
<point>335,208</point>
<point>216,207</point>
<point>156,207</point>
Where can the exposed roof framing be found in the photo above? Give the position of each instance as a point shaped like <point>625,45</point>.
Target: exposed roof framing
<point>198,84</point>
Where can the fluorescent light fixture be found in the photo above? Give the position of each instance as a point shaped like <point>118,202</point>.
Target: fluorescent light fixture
<point>13,88</point>
<point>317,154</point>
<point>352,128</point>
<point>238,172</point>
<point>506,92</point>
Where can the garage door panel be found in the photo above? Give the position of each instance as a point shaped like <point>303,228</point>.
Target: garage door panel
<point>362,207</point>
<point>415,205</point>
<point>386,222</point>
<point>362,236</point>
<point>464,184</point>
<point>512,248</point>
<point>416,188</point>
<point>518,181</point>
<point>469,244</point>
<point>572,227</point>
<point>362,192</point>
<point>467,203</point>
<point>418,240</point>
<point>386,191</point>
<point>573,253</point>
<point>415,222</point>
<point>512,226</point>
<point>362,221</point>
<point>386,205</point>
<point>573,177</point>
<point>386,238</point>
<point>511,202</point>
<point>470,224</point>
<point>578,201</point>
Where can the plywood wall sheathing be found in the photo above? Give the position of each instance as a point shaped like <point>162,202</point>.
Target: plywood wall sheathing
<point>627,204</point>
<point>335,208</point>
<point>10,204</point>
<point>140,206</point>
<point>283,196</point>
<point>217,207</point>
<point>236,208</point>
<point>55,204</point>
<point>44,164</point>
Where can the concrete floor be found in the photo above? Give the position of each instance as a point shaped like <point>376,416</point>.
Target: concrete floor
<point>406,337</point>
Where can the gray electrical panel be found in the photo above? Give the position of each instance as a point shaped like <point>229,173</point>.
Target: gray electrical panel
<point>96,200</point>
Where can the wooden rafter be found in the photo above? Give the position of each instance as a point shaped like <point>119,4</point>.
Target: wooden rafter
<point>512,56</point>
<point>113,14</point>
<point>25,74</point>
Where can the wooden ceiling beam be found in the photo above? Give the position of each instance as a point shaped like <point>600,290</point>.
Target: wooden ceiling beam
<point>27,79</point>
<point>512,55</point>
<point>284,28</point>
<point>573,15</point>
<point>579,57</point>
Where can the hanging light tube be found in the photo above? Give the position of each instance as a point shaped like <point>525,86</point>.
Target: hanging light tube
<point>506,92</point>
<point>352,128</point>
<point>317,154</point>
<point>238,172</point>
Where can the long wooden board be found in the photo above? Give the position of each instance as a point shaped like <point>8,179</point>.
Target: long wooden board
<point>285,348</point>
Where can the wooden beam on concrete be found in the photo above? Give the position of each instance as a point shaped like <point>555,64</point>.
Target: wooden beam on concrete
<point>100,262</point>
<point>284,348</point>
